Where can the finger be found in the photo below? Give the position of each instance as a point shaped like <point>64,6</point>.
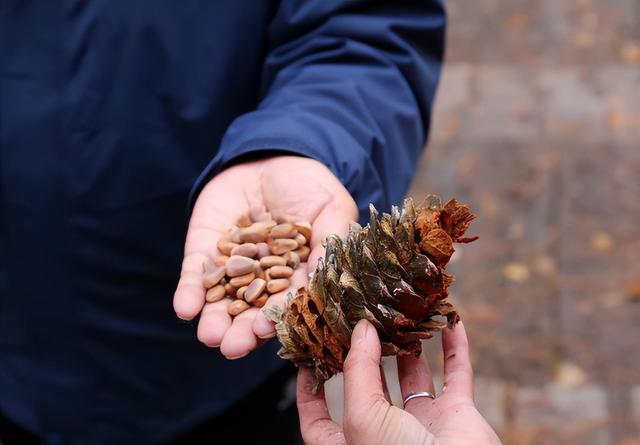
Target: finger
<point>458,375</point>
<point>362,380</point>
<point>214,322</point>
<point>415,375</point>
<point>214,212</point>
<point>239,340</point>
<point>334,218</point>
<point>188,298</point>
<point>262,326</point>
<point>200,246</point>
<point>316,425</point>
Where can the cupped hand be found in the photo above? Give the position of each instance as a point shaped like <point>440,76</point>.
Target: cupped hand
<point>298,187</point>
<point>369,418</point>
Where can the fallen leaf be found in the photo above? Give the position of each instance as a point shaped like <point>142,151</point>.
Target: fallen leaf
<point>630,53</point>
<point>569,374</point>
<point>602,242</point>
<point>632,290</point>
<point>516,272</point>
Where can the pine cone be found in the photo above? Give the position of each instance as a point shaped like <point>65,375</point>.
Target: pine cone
<point>390,272</point>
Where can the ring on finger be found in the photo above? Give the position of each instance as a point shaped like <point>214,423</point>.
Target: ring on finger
<point>413,395</point>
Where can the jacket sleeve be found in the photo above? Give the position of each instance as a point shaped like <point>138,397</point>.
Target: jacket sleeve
<point>349,83</point>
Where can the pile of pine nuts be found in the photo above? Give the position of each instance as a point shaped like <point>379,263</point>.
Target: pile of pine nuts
<point>257,258</point>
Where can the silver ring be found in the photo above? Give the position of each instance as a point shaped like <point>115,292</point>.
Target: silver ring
<point>413,395</point>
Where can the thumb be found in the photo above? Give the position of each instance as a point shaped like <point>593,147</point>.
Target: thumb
<point>363,391</point>
<point>334,218</point>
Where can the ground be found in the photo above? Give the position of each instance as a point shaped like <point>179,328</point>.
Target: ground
<point>537,127</point>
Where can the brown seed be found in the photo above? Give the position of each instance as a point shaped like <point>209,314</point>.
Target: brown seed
<point>280,272</point>
<point>238,265</point>
<point>258,270</point>
<point>277,285</point>
<point>213,276</point>
<point>237,307</point>
<point>225,246</point>
<point>304,228</point>
<point>241,291</point>
<point>263,250</point>
<point>284,230</point>
<point>253,234</point>
<point>300,239</point>
<point>242,280</point>
<point>303,252</point>
<point>248,249</point>
<point>282,245</point>
<point>254,290</point>
<point>243,221</point>
<point>235,235</point>
<point>261,300</point>
<point>220,260</point>
<point>216,293</point>
<point>230,290</point>
<point>272,260</point>
<point>293,259</point>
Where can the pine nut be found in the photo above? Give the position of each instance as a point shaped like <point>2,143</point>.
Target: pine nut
<point>282,245</point>
<point>238,265</point>
<point>272,260</point>
<point>293,259</point>
<point>248,249</point>
<point>277,285</point>
<point>300,239</point>
<point>303,228</point>
<point>280,272</point>
<point>254,290</point>
<point>284,230</point>
<point>238,307</point>
<point>225,246</point>
<point>303,252</point>
<point>230,290</point>
<point>241,291</point>
<point>216,293</point>
<point>242,280</point>
<point>263,250</point>
<point>261,300</point>
<point>220,260</point>
<point>243,221</point>
<point>253,234</point>
<point>213,276</point>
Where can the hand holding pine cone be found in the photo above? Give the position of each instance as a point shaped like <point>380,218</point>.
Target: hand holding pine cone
<point>390,272</point>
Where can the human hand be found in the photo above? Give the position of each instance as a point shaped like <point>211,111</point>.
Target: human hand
<point>369,418</point>
<point>290,185</point>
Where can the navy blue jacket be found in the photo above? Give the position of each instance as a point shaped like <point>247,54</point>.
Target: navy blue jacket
<point>111,113</point>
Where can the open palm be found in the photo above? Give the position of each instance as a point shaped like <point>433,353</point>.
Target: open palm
<point>298,187</point>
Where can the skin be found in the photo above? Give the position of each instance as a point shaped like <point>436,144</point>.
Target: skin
<point>299,187</point>
<point>451,418</point>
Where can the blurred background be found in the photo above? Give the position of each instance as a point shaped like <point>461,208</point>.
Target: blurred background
<point>537,127</point>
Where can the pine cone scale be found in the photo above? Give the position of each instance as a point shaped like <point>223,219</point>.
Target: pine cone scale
<point>390,272</point>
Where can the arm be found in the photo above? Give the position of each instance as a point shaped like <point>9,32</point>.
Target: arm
<point>348,84</point>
